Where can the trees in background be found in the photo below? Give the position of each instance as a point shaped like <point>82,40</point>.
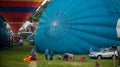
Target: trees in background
<point>36,16</point>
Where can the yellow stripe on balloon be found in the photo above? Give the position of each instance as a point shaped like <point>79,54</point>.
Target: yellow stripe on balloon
<point>25,0</point>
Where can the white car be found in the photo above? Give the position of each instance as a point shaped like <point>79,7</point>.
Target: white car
<point>105,53</point>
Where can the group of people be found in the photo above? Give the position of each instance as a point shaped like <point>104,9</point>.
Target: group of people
<point>32,56</point>
<point>16,39</point>
<point>49,54</point>
<point>68,57</point>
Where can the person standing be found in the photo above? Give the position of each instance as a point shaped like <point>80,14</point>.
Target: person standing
<point>46,54</point>
<point>11,40</point>
<point>33,51</point>
<point>51,54</point>
<point>33,54</point>
<point>21,42</point>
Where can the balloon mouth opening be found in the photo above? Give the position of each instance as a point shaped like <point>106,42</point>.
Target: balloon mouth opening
<point>57,25</point>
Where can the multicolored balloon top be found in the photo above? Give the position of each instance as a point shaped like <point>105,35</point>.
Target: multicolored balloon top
<point>16,12</point>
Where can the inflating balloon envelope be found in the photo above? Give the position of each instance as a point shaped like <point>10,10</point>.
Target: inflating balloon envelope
<point>16,12</point>
<point>4,36</point>
<point>75,26</point>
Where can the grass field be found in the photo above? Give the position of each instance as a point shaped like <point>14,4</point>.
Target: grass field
<point>13,57</point>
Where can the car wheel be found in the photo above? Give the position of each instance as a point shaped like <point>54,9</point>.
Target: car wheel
<point>99,57</point>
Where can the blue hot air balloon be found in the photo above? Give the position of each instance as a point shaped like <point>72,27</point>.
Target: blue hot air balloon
<point>75,26</point>
<point>4,37</point>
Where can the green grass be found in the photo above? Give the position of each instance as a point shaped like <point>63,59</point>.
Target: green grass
<point>13,57</point>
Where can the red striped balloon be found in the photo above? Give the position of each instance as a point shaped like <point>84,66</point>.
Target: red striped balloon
<point>16,12</point>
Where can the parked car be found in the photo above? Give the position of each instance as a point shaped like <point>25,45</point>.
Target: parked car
<point>25,34</point>
<point>31,39</point>
<point>104,53</point>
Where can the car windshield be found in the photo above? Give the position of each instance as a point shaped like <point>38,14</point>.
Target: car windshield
<point>104,50</point>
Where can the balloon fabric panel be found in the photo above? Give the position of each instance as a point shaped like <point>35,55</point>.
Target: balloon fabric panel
<point>76,26</point>
<point>4,36</point>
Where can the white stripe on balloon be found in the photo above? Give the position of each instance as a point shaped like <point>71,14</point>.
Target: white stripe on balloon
<point>118,28</point>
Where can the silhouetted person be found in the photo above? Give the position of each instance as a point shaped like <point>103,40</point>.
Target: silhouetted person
<point>33,54</point>
<point>20,42</point>
<point>51,55</point>
<point>46,54</point>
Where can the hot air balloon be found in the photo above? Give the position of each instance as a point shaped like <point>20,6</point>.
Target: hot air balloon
<point>16,12</point>
<point>4,37</point>
<point>76,26</point>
